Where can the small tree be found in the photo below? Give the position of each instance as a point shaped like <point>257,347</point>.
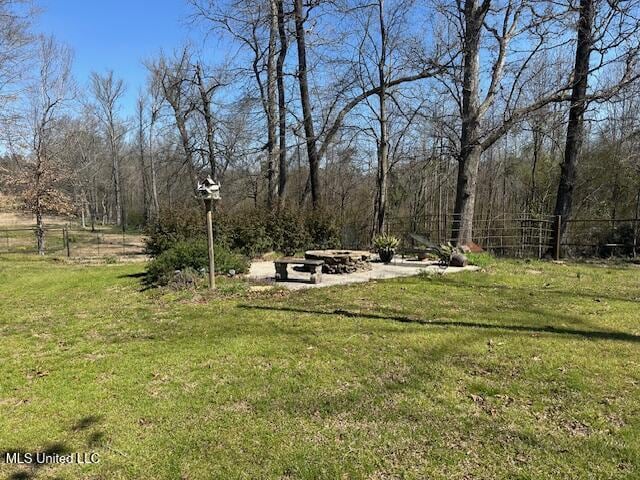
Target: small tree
<point>42,173</point>
<point>108,92</point>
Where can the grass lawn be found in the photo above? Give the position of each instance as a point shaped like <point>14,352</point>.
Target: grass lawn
<point>525,370</point>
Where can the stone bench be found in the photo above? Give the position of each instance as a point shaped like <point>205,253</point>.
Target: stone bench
<point>312,266</point>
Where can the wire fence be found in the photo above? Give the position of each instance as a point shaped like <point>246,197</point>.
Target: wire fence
<point>73,242</point>
<point>525,235</point>
<point>602,238</point>
<point>517,235</point>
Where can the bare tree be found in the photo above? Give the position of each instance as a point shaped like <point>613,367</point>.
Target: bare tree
<point>84,155</point>
<point>270,108</point>
<point>300,15</point>
<point>15,40</point>
<point>49,96</point>
<point>108,92</point>
<point>206,89</point>
<point>614,39</point>
<point>173,77</point>
<point>282,103</point>
<point>155,105</point>
<point>140,120</point>
<point>536,28</point>
<point>254,23</point>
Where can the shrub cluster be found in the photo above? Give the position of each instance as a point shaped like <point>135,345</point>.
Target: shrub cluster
<point>172,228</point>
<point>257,232</point>
<point>622,235</point>
<point>178,242</point>
<point>192,256</point>
<point>251,233</point>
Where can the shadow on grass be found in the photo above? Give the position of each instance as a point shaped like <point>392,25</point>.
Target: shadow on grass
<point>86,422</point>
<point>35,460</point>
<point>32,461</point>
<point>145,282</point>
<point>457,283</point>
<point>590,334</point>
<point>133,275</point>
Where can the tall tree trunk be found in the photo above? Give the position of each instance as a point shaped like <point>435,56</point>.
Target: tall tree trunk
<point>470,149</point>
<point>143,167</point>
<point>83,207</point>
<point>575,126</point>
<point>105,210</point>
<point>152,166</point>
<point>312,150</point>
<point>40,230</point>
<point>282,106</point>
<point>94,204</point>
<point>383,145</point>
<point>271,104</point>
<point>115,176</point>
<point>537,146</point>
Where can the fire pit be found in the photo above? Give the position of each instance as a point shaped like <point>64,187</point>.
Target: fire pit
<point>341,261</point>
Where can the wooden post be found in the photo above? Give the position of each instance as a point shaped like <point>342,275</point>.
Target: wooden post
<point>556,237</point>
<point>212,279</point>
<point>635,226</point>
<point>635,237</point>
<point>65,237</point>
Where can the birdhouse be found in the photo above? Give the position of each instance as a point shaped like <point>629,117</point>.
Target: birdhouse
<point>208,189</point>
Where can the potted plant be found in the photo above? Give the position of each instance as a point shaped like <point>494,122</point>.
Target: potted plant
<point>450,255</point>
<point>386,245</point>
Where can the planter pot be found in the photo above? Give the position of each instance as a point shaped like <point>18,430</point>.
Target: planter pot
<point>386,255</point>
<point>458,260</point>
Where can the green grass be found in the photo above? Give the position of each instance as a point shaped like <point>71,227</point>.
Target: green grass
<point>525,370</point>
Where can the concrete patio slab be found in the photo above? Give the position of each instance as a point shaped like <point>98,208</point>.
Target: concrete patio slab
<point>265,272</point>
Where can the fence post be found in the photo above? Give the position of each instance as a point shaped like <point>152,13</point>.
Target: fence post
<point>539,239</point>
<point>557,226</point>
<point>66,241</point>
<point>635,237</point>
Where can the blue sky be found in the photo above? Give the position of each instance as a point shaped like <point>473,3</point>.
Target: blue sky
<point>116,34</point>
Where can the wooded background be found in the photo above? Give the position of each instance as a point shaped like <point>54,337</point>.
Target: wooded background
<point>386,115</point>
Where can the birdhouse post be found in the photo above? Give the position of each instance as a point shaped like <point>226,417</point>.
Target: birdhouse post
<point>209,191</point>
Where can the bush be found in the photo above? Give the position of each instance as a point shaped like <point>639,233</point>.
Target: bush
<point>621,235</point>
<point>192,255</point>
<point>249,235</point>
<point>187,278</point>
<point>323,231</point>
<point>171,229</point>
<point>288,232</point>
<point>251,232</point>
<point>255,232</point>
<point>226,260</point>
